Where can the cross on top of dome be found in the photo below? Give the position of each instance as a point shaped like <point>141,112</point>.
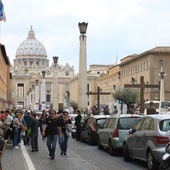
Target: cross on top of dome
<point>31,34</point>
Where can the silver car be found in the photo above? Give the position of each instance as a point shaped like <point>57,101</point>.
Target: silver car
<point>147,140</point>
<point>112,133</point>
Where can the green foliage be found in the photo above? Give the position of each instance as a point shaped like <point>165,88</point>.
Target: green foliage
<point>26,70</point>
<point>128,96</point>
<point>74,105</point>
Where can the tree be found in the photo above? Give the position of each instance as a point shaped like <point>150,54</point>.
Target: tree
<point>128,95</point>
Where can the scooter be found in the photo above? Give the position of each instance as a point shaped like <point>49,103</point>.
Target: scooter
<point>165,163</point>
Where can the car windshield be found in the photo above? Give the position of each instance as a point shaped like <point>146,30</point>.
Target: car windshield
<point>164,125</point>
<point>127,122</point>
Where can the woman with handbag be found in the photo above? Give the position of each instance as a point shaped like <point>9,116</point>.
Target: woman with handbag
<point>64,122</point>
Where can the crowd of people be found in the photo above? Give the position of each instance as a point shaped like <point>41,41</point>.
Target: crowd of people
<point>17,126</point>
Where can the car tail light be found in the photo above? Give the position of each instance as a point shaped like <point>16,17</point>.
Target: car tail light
<point>93,128</point>
<point>115,133</point>
<point>161,140</point>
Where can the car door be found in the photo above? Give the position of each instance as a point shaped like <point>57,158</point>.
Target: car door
<point>101,131</point>
<point>132,138</point>
<point>108,131</point>
<point>144,136</point>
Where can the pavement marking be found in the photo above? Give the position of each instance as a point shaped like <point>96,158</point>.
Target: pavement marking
<point>27,158</point>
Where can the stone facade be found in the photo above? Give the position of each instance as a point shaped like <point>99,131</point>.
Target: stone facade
<point>147,64</point>
<point>30,61</point>
<point>5,91</point>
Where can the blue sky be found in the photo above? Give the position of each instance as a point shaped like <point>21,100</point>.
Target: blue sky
<point>116,28</point>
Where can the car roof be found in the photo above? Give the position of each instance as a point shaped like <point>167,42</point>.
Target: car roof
<point>100,116</point>
<point>159,116</point>
<point>127,115</point>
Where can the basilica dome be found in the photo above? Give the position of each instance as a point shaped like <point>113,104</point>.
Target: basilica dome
<point>31,47</point>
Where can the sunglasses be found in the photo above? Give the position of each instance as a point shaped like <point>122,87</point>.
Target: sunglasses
<point>52,113</point>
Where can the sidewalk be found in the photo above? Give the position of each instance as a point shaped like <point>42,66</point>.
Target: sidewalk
<point>13,159</point>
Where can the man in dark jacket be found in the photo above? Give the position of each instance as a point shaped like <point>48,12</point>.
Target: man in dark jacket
<point>34,132</point>
<point>78,125</point>
<point>151,109</point>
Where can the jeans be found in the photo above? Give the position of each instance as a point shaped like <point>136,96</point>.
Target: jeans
<point>51,144</point>
<point>64,142</point>
<point>34,141</point>
<point>15,137</point>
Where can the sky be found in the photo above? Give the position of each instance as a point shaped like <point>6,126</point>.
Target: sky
<point>116,28</point>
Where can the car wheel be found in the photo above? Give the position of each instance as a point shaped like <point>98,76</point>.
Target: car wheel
<point>90,142</point>
<point>152,163</point>
<point>110,148</point>
<point>99,144</point>
<point>126,153</point>
<point>164,165</point>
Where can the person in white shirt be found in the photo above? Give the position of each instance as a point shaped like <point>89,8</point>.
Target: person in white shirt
<point>7,123</point>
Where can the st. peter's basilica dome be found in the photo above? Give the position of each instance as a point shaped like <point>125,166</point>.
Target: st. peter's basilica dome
<point>31,46</point>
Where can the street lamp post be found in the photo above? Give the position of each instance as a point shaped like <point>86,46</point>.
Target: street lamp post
<point>82,96</point>
<point>43,92</point>
<point>162,92</point>
<point>36,95</point>
<point>33,97</point>
<point>55,83</point>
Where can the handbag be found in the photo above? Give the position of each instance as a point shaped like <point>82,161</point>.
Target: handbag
<point>29,132</point>
<point>24,128</point>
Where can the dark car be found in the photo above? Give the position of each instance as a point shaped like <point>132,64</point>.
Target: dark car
<point>90,127</point>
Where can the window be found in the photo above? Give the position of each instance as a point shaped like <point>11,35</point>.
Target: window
<point>48,98</point>
<point>67,73</point>
<point>160,63</point>
<point>127,122</point>
<point>109,125</point>
<point>164,125</point>
<point>105,123</point>
<point>137,126</point>
<point>146,124</point>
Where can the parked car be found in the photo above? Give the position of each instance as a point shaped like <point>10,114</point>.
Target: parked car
<point>90,127</point>
<point>72,118</point>
<point>147,140</point>
<point>112,134</point>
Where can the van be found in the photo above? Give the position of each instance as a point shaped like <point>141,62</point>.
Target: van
<point>161,107</point>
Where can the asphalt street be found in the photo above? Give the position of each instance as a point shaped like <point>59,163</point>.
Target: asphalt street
<point>80,156</point>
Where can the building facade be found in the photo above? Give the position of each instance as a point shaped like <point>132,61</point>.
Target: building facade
<point>32,81</point>
<point>5,91</point>
<point>148,64</point>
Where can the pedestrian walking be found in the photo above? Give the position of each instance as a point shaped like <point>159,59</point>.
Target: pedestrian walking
<point>7,129</point>
<point>64,122</point>
<point>42,121</point>
<point>16,129</point>
<point>34,132</point>
<point>28,119</point>
<point>52,130</point>
<point>78,125</point>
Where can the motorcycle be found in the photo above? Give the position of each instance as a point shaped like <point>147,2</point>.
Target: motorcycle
<point>165,163</point>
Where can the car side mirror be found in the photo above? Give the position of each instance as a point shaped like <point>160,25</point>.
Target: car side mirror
<point>100,126</point>
<point>131,131</point>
